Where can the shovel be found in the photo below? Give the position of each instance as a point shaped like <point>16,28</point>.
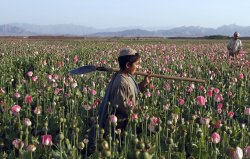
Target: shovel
<point>92,68</point>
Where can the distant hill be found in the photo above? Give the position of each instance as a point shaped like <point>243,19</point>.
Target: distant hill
<point>59,29</point>
<point>191,31</point>
<point>19,29</point>
<point>126,33</point>
<point>8,30</point>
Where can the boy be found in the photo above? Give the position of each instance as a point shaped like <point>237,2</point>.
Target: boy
<point>123,90</point>
<point>121,93</point>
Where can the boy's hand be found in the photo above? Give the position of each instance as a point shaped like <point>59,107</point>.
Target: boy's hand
<point>147,78</point>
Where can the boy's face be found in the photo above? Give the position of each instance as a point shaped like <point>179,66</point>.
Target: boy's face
<point>133,67</point>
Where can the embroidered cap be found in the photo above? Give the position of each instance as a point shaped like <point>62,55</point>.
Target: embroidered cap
<point>127,51</point>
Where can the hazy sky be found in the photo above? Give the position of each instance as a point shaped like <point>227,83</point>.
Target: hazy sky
<point>127,13</point>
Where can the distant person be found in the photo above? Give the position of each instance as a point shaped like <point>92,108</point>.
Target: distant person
<point>234,45</point>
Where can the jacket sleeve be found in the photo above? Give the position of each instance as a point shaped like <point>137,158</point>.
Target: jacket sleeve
<point>240,46</point>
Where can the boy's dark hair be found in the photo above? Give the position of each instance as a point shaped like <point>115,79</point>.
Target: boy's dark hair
<point>129,58</point>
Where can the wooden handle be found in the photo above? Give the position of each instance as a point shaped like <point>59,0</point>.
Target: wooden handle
<point>162,76</point>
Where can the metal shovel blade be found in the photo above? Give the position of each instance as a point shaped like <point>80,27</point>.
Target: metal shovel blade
<point>83,70</point>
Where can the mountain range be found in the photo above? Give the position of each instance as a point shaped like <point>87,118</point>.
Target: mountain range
<point>23,29</point>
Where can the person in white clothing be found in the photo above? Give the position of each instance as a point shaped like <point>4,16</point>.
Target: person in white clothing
<point>234,45</point>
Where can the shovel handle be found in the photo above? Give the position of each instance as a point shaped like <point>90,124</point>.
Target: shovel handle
<point>153,75</point>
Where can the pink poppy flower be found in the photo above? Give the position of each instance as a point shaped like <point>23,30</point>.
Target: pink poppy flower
<point>167,87</point>
<point>210,92</point>
<point>247,111</point>
<point>31,148</point>
<point>67,95</point>
<point>147,93</point>
<point>153,123</point>
<point>113,119</point>
<point>247,151</point>
<point>205,121</point>
<point>57,91</point>
<point>180,66</point>
<point>34,78</point>
<point>241,76</point>
<point>234,80</point>
<point>15,109</point>
<point>75,58</point>
<point>17,95</point>
<point>46,140</point>
<point>96,103</point>
<point>157,92</point>
<point>229,93</point>
<point>201,88</point>
<point>30,73</point>
<point>190,89</point>
<point>184,74</point>
<point>2,103</point>
<point>218,97</point>
<point>18,144</point>
<point>49,77</point>
<point>37,110</point>
<point>230,114</point>
<point>74,85</point>
<point>192,85</point>
<point>44,62</point>
<point>215,138</point>
<point>104,62</point>
<point>190,66</point>
<point>200,100</point>
<point>92,92</point>
<point>28,99</point>
<point>70,78</point>
<point>155,120</point>
<point>131,103</point>
<point>55,77</point>
<point>151,86</point>
<point>236,153</point>
<point>27,122</point>
<point>219,111</point>
<point>218,124</point>
<point>84,89</point>
<point>60,64</point>
<point>216,90</point>
<point>219,106</point>
<point>134,116</point>
<point>2,91</point>
<point>181,102</point>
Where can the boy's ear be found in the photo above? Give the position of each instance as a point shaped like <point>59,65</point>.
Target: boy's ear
<point>127,65</point>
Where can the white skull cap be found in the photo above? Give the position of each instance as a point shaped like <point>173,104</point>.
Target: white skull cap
<point>127,51</point>
<point>236,34</point>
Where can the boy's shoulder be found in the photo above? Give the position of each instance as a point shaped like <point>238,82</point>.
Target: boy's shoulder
<point>122,79</point>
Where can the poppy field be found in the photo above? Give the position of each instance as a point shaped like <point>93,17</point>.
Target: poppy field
<point>47,113</point>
